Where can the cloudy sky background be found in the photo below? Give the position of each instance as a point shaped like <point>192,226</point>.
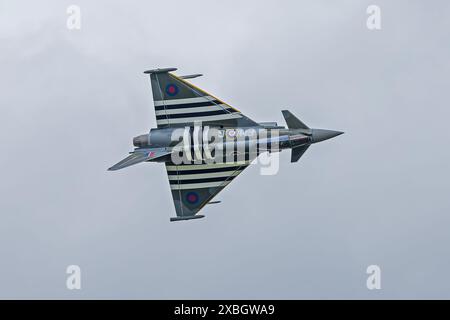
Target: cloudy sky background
<point>71,101</point>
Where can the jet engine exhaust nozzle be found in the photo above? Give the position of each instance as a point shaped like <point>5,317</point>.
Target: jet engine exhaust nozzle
<point>141,141</point>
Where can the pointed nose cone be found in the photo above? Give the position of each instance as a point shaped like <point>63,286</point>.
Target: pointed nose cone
<point>319,135</point>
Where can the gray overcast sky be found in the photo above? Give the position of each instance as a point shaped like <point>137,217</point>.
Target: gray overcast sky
<point>71,101</point>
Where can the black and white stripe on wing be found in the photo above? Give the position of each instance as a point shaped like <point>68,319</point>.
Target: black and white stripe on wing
<point>189,110</point>
<point>192,114</point>
<point>179,105</point>
<point>203,176</point>
<point>209,107</point>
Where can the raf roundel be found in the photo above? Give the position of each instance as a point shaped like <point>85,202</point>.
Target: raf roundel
<point>192,197</point>
<point>171,89</point>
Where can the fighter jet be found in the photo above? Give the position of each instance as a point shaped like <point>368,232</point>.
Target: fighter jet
<point>189,121</point>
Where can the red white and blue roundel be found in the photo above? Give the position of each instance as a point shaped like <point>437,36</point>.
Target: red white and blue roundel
<point>192,197</point>
<point>172,89</point>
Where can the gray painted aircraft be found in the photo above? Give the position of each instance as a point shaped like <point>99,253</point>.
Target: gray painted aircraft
<point>184,108</point>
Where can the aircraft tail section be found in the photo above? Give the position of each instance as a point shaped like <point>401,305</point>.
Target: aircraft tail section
<point>132,159</point>
<point>138,156</point>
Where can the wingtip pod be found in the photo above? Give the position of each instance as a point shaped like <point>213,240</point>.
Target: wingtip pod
<point>182,218</point>
<point>160,70</point>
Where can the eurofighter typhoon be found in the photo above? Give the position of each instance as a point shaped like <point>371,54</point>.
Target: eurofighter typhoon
<point>205,143</point>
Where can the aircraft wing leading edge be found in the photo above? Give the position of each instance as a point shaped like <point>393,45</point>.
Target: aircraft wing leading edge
<point>179,103</point>
<point>195,185</point>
